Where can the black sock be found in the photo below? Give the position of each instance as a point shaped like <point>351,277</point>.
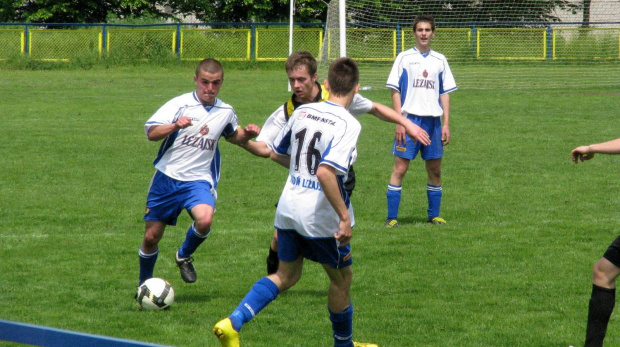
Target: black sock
<point>602,304</point>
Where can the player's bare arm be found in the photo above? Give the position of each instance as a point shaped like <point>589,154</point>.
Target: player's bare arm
<point>283,160</point>
<point>389,115</point>
<point>258,148</point>
<point>327,177</point>
<point>400,130</point>
<point>159,132</point>
<point>583,153</point>
<point>243,135</point>
<point>445,128</point>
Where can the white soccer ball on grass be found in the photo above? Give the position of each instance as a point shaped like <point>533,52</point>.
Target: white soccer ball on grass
<point>155,294</point>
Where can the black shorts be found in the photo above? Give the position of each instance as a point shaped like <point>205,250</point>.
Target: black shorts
<point>349,184</point>
<point>613,252</point>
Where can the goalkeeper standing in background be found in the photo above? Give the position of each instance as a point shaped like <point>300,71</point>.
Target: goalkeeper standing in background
<point>420,81</point>
<point>607,269</point>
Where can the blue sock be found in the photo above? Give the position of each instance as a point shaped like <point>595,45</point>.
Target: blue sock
<point>342,324</point>
<point>192,240</point>
<point>434,200</point>
<point>147,264</point>
<point>393,200</point>
<point>262,293</point>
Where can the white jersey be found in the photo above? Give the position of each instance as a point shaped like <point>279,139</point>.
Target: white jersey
<point>192,154</point>
<point>317,133</point>
<point>359,106</point>
<point>420,79</point>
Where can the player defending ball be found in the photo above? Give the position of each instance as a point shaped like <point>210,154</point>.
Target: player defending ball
<point>319,142</point>
<point>420,81</point>
<point>188,165</point>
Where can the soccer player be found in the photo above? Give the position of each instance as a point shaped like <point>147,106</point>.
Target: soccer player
<point>319,142</point>
<point>606,270</point>
<point>188,165</point>
<point>301,68</point>
<point>420,81</point>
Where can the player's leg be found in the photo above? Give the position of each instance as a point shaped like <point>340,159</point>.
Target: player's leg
<point>434,190</point>
<point>603,297</point>
<point>153,232</point>
<point>272,258</point>
<point>263,292</point>
<point>195,236</point>
<point>339,304</point>
<point>393,195</point>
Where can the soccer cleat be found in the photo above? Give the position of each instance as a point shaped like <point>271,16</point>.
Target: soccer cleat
<point>362,344</point>
<point>227,335</point>
<point>188,273</point>
<point>391,223</point>
<point>437,221</point>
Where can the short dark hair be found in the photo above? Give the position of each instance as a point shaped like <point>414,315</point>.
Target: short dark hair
<point>343,76</point>
<point>424,18</point>
<point>210,65</point>
<point>303,58</point>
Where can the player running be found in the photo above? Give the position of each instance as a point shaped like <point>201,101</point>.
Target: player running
<point>301,68</point>
<point>188,165</point>
<point>420,81</point>
<point>319,142</point>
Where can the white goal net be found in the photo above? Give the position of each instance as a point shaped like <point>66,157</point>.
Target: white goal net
<point>489,44</point>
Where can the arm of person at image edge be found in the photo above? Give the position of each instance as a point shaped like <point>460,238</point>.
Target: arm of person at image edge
<point>583,153</point>
<point>241,136</point>
<point>445,128</point>
<point>405,125</point>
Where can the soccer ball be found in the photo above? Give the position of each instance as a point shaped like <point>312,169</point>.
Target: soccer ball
<point>155,294</point>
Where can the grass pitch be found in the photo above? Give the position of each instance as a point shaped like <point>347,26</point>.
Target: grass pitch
<point>511,268</point>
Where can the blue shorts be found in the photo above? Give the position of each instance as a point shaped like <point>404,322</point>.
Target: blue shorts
<point>168,197</point>
<point>291,245</point>
<point>432,125</point>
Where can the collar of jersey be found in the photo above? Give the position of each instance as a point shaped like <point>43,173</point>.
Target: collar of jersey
<point>422,54</point>
<point>206,107</point>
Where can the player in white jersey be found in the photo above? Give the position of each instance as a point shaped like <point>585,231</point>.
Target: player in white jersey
<point>420,81</point>
<point>301,68</point>
<point>314,216</point>
<point>188,165</point>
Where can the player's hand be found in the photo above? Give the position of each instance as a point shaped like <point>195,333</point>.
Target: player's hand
<point>418,134</point>
<point>445,135</point>
<point>581,153</point>
<point>344,234</point>
<point>183,123</point>
<point>252,129</point>
<point>399,135</point>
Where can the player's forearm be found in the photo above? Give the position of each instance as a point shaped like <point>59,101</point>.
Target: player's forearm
<point>386,114</point>
<point>609,147</point>
<point>329,185</point>
<point>283,160</point>
<point>159,132</point>
<point>259,149</point>
<point>445,105</point>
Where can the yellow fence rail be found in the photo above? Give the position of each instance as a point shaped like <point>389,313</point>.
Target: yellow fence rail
<point>271,44</point>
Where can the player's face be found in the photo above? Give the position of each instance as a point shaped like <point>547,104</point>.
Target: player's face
<point>423,34</point>
<point>208,86</point>
<point>302,83</point>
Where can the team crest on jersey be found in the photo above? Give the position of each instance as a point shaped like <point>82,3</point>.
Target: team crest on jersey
<point>425,74</point>
<point>301,115</point>
<point>204,130</point>
<point>401,149</point>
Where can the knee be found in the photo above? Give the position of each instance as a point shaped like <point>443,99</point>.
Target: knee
<point>203,225</point>
<point>399,170</point>
<point>288,280</point>
<point>151,239</point>
<point>601,277</point>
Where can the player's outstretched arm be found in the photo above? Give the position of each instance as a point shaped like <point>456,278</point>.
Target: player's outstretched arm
<point>329,184</point>
<point>389,115</point>
<point>283,160</point>
<point>159,132</point>
<point>583,153</point>
<point>243,135</point>
<point>258,148</point>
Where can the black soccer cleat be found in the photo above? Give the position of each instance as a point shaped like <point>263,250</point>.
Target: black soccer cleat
<point>272,262</point>
<point>188,273</point>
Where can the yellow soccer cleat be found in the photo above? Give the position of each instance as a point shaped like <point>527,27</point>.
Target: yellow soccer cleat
<point>224,332</point>
<point>437,221</point>
<point>391,223</point>
<point>362,344</point>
